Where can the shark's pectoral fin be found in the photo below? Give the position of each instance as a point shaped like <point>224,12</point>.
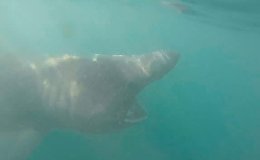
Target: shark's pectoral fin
<point>17,145</point>
<point>135,114</point>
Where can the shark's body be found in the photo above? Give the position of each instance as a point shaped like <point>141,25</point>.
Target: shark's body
<point>92,95</point>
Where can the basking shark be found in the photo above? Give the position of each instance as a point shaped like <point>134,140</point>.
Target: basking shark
<point>91,95</point>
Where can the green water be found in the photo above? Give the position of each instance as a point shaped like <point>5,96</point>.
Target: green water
<point>206,109</point>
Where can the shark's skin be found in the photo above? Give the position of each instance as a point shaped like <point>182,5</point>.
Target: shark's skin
<point>91,95</point>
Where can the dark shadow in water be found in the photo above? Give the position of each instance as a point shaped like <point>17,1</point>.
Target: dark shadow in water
<point>240,16</point>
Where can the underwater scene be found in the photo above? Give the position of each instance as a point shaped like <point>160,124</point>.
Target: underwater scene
<point>205,105</point>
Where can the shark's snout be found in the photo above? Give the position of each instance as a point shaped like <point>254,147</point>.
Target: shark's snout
<point>159,63</point>
<point>172,57</point>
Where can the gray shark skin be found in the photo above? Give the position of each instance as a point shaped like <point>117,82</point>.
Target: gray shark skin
<point>91,95</point>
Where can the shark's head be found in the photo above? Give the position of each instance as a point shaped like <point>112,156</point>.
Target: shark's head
<point>108,86</point>
<point>138,72</point>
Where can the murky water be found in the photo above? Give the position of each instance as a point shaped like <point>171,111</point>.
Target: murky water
<point>207,108</point>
